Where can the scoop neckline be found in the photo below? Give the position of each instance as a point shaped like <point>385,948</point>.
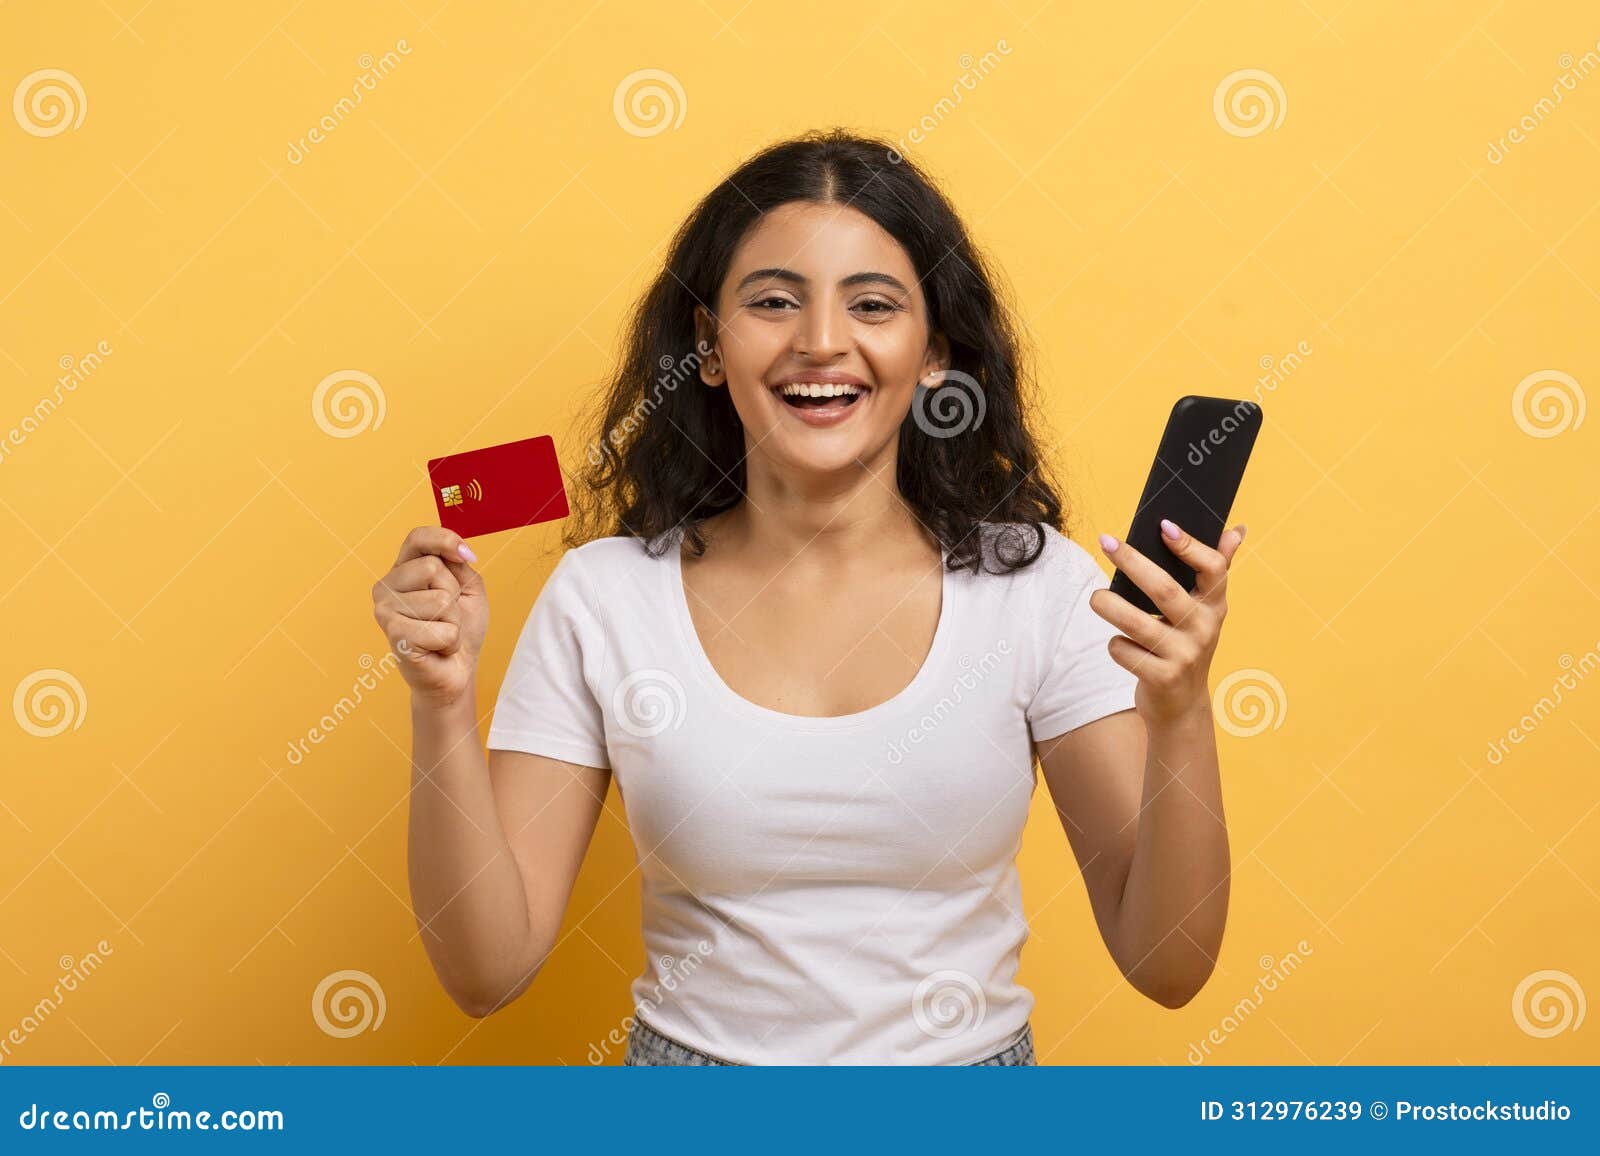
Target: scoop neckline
<point>678,597</point>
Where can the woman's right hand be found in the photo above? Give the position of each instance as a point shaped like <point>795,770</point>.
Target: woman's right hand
<point>434,610</point>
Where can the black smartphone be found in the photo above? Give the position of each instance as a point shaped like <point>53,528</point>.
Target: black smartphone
<point>1193,480</point>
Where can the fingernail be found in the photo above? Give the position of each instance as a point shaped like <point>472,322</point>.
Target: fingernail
<point>466,552</point>
<point>1107,543</point>
<point>1170,531</point>
<point>1241,528</point>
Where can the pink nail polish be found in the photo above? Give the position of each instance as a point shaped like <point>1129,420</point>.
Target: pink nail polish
<point>1170,531</point>
<point>466,552</point>
<point>1107,543</point>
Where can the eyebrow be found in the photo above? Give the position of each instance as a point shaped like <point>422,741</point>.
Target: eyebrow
<point>790,276</point>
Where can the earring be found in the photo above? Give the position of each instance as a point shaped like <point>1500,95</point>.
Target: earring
<point>714,366</point>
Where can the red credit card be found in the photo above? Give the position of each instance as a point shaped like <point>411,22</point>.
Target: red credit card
<point>498,488</point>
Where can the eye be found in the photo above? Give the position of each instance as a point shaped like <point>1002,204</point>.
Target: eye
<point>764,301</point>
<point>882,306</point>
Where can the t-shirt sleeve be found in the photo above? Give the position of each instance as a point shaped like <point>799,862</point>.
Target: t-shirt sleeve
<point>1079,680</point>
<point>545,705</point>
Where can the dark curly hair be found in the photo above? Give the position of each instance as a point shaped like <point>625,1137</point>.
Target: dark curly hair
<point>640,480</point>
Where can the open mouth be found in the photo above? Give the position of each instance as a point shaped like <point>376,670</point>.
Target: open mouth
<point>820,396</point>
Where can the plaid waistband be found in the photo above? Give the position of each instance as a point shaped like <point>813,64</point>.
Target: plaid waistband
<point>649,1048</point>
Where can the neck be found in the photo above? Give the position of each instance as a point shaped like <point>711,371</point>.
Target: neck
<point>828,520</point>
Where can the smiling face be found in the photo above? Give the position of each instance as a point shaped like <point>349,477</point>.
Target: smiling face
<point>824,335</point>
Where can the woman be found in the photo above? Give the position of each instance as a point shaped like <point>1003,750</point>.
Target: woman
<point>818,620</point>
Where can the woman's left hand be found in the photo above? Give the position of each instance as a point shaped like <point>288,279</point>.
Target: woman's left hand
<point>1172,654</point>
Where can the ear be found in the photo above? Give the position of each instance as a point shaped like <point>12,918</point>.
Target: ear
<point>712,371</point>
<point>938,356</point>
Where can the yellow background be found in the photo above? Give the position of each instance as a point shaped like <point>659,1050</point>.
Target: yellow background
<point>185,541</point>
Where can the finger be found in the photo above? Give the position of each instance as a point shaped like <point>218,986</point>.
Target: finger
<point>429,637</point>
<point>435,540</point>
<point>1132,657</point>
<point>1230,542</point>
<point>1210,566</point>
<point>423,573</point>
<point>430,605</point>
<point>1151,633</point>
<point>1170,598</point>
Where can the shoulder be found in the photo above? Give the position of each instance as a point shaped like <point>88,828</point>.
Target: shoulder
<point>1055,558</point>
<point>603,553</point>
<point>603,565</point>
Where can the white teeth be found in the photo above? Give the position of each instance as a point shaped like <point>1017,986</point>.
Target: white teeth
<point>818,389</point>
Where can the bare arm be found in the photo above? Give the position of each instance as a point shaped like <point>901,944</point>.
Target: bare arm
<point>1139,793</point>
<point>494,850</point>
<point>495,842</point>
<point>1142,809</point>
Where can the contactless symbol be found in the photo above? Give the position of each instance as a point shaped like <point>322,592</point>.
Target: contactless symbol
<point>452,495</point>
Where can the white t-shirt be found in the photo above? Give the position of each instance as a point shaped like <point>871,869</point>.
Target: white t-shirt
<point>819,890</point>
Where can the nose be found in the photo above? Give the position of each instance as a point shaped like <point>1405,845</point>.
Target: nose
<point>823,332</point>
